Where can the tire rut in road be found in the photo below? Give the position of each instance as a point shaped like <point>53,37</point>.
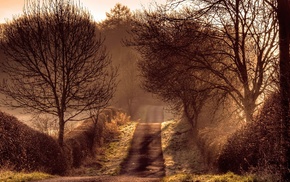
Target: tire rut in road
<point>145,158</point>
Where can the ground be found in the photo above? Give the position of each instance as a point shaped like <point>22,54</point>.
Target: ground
<point>145,159</point>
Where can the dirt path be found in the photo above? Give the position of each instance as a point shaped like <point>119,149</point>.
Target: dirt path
<point>145,159</point>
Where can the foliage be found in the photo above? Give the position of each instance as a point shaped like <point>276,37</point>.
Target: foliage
<point>118,16</point>
<point>282,10</point>
<point>228,177</point>
<point>180,154</point>
<point>169,45</point>
<point>116,27</point>
<point>24,149</point>
<point>211,141</point>
<point>256,147</point>
<point>189,55</point>
<point>56,62</point>
<point>10,176</point>
<point>109,153</point>
<point>85,140</point>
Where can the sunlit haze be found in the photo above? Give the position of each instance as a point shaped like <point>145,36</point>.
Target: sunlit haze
<point>97,8</point>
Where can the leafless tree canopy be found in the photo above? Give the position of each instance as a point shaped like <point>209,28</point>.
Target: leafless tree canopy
<point>169,44</point>
<point>56,61</point>
<point>224,47</point>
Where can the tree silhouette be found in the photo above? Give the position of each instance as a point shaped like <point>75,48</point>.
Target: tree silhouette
<point>238,53</point>
<point>56,62</point>
<point>282,10</point>
<point>119,15</point>
<point>170,45</point>
<point>116,27</point>
<point>248,48</point>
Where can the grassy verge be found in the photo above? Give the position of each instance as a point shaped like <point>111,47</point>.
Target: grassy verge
<point>10,176</point>
<point>229,177</point>
<point>183,159</point>
<point>180,153</point>
<point>110,156</point>
<point>116,151</point>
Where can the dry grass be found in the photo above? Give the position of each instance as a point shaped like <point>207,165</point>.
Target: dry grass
<point>10,176</point>
<point>183,159</point>
<point>110,155</point>
<point>86,140</point>
<point>229,177</point>
<point>212,139</point>
<point>180,152</point>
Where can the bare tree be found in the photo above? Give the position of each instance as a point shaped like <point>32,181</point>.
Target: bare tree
<point>244,60</point>
<point>166,42</point>
<point>232,43</point>
<point>56,62</point>
<point>248,48</point>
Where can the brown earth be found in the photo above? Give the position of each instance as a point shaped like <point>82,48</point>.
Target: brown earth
<point>145,159</point>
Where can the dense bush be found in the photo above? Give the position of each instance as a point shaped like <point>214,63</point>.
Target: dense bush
<point>22,148</point>
<point>255,147</point>
<point>211,140</point>
<point>83,141</point>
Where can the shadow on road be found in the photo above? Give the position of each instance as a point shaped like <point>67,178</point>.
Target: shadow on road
<point>145,158</point>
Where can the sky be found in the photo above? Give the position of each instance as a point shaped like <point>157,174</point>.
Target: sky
<point>98,8</point>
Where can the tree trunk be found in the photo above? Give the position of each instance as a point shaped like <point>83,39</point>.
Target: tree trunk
<point>61,129</point>
<point>189,114</point>
<point>283,14</point>
<point>95,119</point>
<point>249,108</point>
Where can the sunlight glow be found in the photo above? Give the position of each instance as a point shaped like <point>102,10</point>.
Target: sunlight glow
<point>97,8</point>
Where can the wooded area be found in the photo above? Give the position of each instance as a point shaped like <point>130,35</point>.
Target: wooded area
<point>219,64</point>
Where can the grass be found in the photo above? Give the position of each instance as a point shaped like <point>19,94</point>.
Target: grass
<point>116,151</point>
<point>110,156</point>
<point>180,153</point>
<point>183,159</point>
<point>11,176</point>
<point>229,177</point>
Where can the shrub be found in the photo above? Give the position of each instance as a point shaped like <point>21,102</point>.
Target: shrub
<point>22,148</point>
<point>211,140</point>
<point>83,141</point>
<point>256,145</point>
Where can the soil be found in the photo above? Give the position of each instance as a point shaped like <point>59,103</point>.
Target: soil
<point>145,159</point>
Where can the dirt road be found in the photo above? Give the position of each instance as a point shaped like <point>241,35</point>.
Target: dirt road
<point>145,159</point>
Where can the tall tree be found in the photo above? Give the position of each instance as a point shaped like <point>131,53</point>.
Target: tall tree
<point>248,48</point>
<point>283,15</point>
<point>56,62</point>
<point>237,54</point>
<point>282,9</point>
<point>119,15</point>
<point>170,44</point>
<point>116,27</point>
